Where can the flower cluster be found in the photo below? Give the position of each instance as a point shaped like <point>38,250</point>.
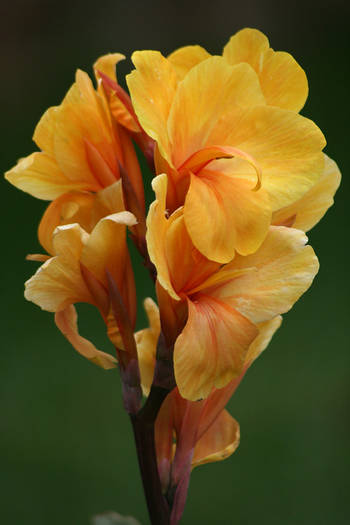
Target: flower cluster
<point>239,177</point>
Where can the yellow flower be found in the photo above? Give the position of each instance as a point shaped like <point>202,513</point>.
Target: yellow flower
<point>225,303</point>
<point>232,145</point>
<point>82,151</point>
<point>77,273</point>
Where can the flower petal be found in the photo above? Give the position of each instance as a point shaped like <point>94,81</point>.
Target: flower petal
<point>282,80</point>
<point>223,214</point>
<point>106,248</point>
<point>146,342</point>
<point>66,321</point>
<point>106,64</point>
<point>283,269</point>
<point>205,103</point>
<point>186,58</point>
<point>308,210</point>
<point>211,349</point>
<point>286,146</point>
<point>219,441</point>
<point>39,175</point>
<point>266,332</point>
<point>83,208</point>
<point>152,87</point>
<point>58,282</point>
<point>157,227</point>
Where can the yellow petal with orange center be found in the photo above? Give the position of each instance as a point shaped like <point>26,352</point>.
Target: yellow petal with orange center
<point>223,215</point>
<point>58,282</point>
<point>219,441</point>
<point>66,321</point>
<point>282,80</point>
<point>307,211</point>
<point>152,87</point>
<point>186,58</point>
<point>204,104</point>
<point>211,349</point>
<point>286,146</point>
<point>282,270</point>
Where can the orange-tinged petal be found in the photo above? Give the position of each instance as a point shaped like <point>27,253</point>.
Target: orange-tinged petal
<point>188,268</point>
<point>39,175</point>
<point>266,332</point>
<point>223,214</point>
<point>186,58</point>
<point>157,227</point>
<point>66,321</point>
<point>211,349</point>
<point>58,282</point>
<point>118,101</point>
<point>152,87</point>
<point>282,80</point>
<point>283,269</point>
<point>219,441</point>
<point>286,146</point>
<point>106,249</point>
<point>69,208</point>
<point>83,208</point>
<point>307,211</point>
<point>203,157</point>
<point>205,104</point>
<point>146,342</point>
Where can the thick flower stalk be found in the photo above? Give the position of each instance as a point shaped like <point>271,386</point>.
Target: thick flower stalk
<point>239,177</point>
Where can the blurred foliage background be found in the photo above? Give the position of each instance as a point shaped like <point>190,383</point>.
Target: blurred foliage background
<point>66,445</point>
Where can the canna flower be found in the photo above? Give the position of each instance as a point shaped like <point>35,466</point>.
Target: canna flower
<point>82,149</point>
<point>234,156</point>
<point>189,434</point>
<point>76,272</point>
<point>217,308</point>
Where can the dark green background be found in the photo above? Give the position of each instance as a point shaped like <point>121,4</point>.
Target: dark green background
<point>67,450</point>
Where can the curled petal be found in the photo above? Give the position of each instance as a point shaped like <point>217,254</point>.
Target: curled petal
<point>157,227</point>
<point>218,442</point>
<point>106,246</point>
<point>58,282</point>
<point>146,342</point>
<point>307,211</point>
<point>287,147</point>
<point>107,64</point>
<point>66,321</point>
<point>83,208</point>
